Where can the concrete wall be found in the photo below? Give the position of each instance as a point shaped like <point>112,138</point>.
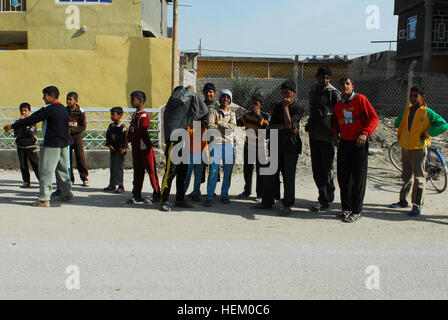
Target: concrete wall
<point>103,77</point>
<point>187,78</point>
<point>155,17</point>
<point>45,23</point>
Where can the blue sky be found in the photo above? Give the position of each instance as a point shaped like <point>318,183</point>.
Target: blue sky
<point>286,27</point>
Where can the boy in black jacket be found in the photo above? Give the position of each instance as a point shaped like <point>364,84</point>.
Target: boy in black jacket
<point>26,142</point>
<point>116,140</point>
<point>77,125</point>
<point>54,153</point>
<point>322,99</point>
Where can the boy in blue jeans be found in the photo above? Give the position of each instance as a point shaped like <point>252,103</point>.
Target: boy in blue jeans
<point>224,120</point>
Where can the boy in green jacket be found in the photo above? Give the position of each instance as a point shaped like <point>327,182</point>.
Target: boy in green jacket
<point>416,125</point>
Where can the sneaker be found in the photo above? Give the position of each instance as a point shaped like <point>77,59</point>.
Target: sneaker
<point>352,217</point>
<point>183,204</point>
<point>25,185</point>
<point>195,198</point>
<point>399,204</point>
<point>109,189</point>
<point>191,195</point>
<point>244,195</point>
<point>208,203</point>
<point>260,206</point>
<point>225,200</point>
<point>85,183</point>
<point>155,198</point>
<point>56,193</point>
<point>165,206</point>
<point>319,207</point>
<point>134,200</point>
<point>67,199</point>
<point>415,212</point>
<point>120,189</point>
<point>40,203</point>
<point>343,214</point>
<point>285,212</point>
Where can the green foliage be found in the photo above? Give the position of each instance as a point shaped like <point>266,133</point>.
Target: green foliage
<point>243,88</point>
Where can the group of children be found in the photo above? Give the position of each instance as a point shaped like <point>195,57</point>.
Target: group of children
<point>338,118</point>
<point>26,142</point>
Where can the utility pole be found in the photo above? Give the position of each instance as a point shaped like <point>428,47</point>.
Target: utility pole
<point>175,55</point>
<point>427,50</point>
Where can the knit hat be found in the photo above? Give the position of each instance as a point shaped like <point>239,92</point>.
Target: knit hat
<point>227,92</point>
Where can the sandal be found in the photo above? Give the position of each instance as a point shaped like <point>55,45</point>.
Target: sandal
<point>352,217</point>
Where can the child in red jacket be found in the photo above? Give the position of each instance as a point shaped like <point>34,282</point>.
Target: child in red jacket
<point>143,157</point>
<point>354,121</point>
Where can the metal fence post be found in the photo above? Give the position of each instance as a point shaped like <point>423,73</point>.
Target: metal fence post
<point>296,71</point>
<point>410,78</point>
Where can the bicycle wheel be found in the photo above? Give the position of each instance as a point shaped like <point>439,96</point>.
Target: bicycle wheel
<point>435,171</point>
<point>395,155</point>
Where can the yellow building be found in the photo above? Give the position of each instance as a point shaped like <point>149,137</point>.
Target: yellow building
<point>102,49</point>
<point>267,68</point>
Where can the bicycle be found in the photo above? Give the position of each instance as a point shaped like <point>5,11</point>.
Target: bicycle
<point>435,166</point>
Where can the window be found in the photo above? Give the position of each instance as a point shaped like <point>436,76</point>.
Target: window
<point>440,29</point>
<point>84,1</point>
<point>412,28</point>
<point>402,34</point>
<point>12,5</point>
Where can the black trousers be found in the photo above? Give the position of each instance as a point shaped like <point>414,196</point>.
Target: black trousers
<point>31,155</point>
<point>322,156</point>
<point>352,175</point>
<point>173,170</point>
<point>271,184</point>
<point>78,148</point>
<point>248,169</point>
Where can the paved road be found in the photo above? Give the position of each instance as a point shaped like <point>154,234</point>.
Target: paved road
<point>226,252</point>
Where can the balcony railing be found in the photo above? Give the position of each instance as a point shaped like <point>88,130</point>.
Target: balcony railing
<point>12,5</point>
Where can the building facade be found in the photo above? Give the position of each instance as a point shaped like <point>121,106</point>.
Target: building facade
<point>422,35</point>
<point>102,49</point>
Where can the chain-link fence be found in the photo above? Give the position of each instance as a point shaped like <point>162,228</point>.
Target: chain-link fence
<point>98,120</point>
<point>387,91</point>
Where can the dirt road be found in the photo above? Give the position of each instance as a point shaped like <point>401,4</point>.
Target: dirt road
<point>224,252</point>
